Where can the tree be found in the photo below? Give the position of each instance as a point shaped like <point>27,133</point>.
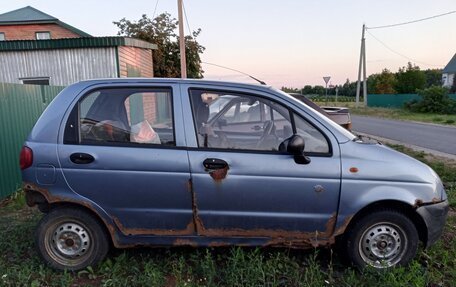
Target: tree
<point>433,100</point>
<point>372,83</point>
<point>307,90</point>
<point>162,32</point>
<point>319,90</point>
<point>289,90</point>
<point>348,89</point>
<point>410,79</point>
<point>385,83</point>
<point>433,77</point>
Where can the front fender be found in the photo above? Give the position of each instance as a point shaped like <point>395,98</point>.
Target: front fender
<point>357,194</point>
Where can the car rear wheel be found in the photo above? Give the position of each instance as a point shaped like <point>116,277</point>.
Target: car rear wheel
<point>382,239</point>
<point>71,239</point>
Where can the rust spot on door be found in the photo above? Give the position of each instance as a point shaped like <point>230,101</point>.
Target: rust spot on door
<point>185,242</point>
<point>196,219</point>
<point>189,230</point>
<point>218,244</point>
<point>277,237</point>
<point>280,237</point>
<point>219,174</point>
<point>344,226</point>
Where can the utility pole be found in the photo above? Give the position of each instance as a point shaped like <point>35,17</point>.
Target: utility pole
<point>182,41</point>
<point>362,65</point>
<point>364,74</point>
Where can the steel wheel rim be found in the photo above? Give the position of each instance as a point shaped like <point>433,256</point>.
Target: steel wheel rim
<point>383,245</point>
<point>69,243</point>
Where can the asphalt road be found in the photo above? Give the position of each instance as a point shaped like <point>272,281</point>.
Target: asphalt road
<point>434,137</point>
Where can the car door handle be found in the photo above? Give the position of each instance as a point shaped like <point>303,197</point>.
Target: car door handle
<point>81,158</point>
<point>214,163</point>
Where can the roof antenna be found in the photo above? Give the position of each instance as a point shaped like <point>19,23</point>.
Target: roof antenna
<point>250,76</point>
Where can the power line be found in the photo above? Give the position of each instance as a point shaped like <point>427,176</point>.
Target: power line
<point>410,22</point>
<point>400,54</point>
<point>186,19</point>
<point>155,9</point>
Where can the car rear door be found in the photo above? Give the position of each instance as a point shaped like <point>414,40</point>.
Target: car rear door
<point>123,149</point>
<point>256,190</point>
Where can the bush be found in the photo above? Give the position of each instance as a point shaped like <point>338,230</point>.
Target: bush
<point>433,100</point>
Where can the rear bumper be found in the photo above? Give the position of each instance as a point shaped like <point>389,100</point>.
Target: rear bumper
<point>434,215</point>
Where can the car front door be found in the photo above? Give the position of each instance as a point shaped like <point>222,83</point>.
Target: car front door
<point>251,189</point>
<point>123,149</point>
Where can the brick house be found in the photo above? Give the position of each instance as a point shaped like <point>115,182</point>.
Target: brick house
<point>36,48</point>
<point>29,23</point>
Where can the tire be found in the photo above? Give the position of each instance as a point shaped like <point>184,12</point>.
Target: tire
<point>71,239</point>
<point>381,239</point>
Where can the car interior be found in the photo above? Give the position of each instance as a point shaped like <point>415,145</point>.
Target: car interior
<point>241,122</point>
<point>113,116</point>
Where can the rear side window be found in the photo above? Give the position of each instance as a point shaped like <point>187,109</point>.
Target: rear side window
<point>136,116</point>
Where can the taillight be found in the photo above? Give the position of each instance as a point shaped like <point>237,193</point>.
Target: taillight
<point>26,157</point>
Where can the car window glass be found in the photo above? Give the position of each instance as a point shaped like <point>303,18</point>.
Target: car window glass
<point>217,105</point>
<point>243,111</point>
<point>277,115</point>
<point>244,122</point>
<point>315,141</point>
<point>231,114</point>
<point>85,105</point>
<point>141,116</point>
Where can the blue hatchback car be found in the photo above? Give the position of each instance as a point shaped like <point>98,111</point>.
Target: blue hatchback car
<point>162,162</point>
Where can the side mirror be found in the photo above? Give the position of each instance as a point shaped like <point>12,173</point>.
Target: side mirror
<point>295,146</point>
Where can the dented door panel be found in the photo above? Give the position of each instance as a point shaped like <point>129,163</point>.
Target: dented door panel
<point>261,193</point>
<point>264,192</point>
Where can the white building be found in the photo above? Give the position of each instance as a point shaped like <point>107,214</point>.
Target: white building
<point>448,73</point>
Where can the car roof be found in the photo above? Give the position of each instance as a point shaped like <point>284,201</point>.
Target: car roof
<point>175,81</point>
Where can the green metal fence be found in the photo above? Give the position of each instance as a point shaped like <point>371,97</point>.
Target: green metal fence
<point>20,107</point>
<point>393,100</point>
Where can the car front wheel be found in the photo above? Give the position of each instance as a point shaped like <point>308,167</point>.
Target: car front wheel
<point>71,239</point>
<point>382,239</point>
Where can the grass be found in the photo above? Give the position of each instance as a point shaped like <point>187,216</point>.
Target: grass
<point>20,265</point>
<point>402,114</point>
<point>395,114</point>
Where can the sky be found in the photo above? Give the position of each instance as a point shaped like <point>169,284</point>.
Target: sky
<point>288,43</point>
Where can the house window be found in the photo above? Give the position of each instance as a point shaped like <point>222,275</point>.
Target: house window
<point>43,35</point>
<point>2,36</point>
<point>44,81</point>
